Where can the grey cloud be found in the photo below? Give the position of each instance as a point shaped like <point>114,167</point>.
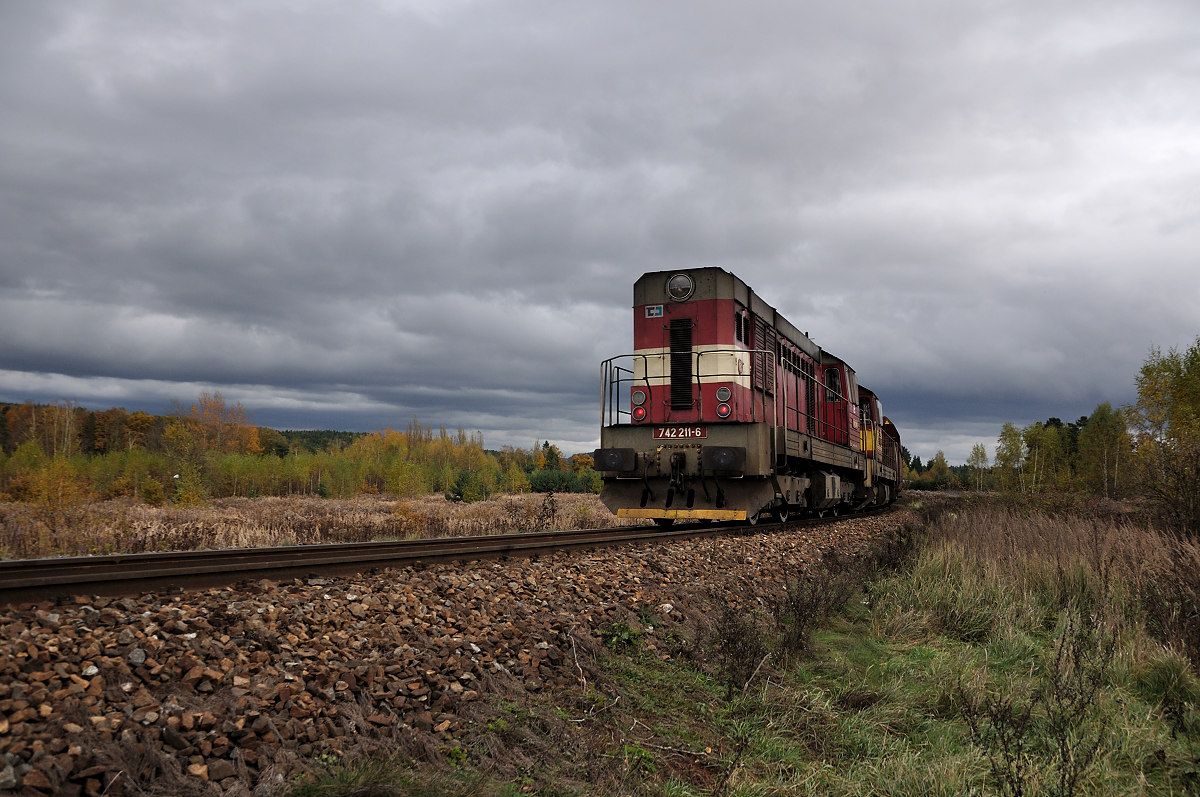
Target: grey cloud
<point>351,216</point>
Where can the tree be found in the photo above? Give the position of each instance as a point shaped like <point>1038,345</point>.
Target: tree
<point>87,434</point>
<point>138,426</point>
<point>1105,450</point>
<point>939,472</point>
<point>224,427</point>
<point>1045,462</point>
<point>978,462</point>
<point>552,455</point>
<point>1010,453</point>
<point>183,440</point>
<point>514,479</point>
<point>1168,422</point>
<point>273,442</point>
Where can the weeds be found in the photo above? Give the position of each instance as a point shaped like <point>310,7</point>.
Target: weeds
<point>1059,719</point>
<point>547,515</point>
<point>621,636</point>
<point>810,599</point>
<point>736,643</point>
<point>1003,727</point>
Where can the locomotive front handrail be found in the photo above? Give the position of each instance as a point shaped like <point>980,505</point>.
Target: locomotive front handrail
<point>617,381</point>
<point>615,404</point>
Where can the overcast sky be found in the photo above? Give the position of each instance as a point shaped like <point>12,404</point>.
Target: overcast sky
<point>349,214</point>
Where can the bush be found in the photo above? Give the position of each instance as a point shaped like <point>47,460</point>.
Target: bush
<point>736,642</point>
<point>469,486</point>
<point>811,599</point>
<point>152,492</point>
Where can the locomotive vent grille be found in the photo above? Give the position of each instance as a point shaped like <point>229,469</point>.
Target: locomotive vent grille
<point>680,334</point>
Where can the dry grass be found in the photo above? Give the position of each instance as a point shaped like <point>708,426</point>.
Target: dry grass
<point>123,526</point>
<point>987,567</point>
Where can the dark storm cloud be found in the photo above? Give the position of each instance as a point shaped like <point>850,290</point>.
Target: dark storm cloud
<point>351,216</point>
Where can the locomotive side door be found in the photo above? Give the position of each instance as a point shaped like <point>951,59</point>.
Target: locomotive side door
<point>834,417</point>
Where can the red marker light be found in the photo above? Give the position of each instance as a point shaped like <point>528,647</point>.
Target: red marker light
<point>723,410</point>
<point>639,413</point>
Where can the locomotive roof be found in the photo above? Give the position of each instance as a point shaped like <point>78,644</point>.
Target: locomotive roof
<point>714,282</point>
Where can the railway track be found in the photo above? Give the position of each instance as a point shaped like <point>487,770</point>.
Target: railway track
<point>28,580</point>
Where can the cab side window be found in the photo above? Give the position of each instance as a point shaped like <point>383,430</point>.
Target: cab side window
<point>833,380</point>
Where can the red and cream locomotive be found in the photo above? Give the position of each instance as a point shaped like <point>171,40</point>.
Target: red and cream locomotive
<point>726,411</point>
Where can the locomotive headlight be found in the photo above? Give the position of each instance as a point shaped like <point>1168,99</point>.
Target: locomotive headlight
<point>723,410</point>
<point>639,413</point>
<point>615,459</point>
<point>723,458</point>
<point>723,394</point>
<point>639,398</point>
<point>680,287</point>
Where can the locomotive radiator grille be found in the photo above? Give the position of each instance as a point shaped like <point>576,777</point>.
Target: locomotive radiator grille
<point>680,337</point>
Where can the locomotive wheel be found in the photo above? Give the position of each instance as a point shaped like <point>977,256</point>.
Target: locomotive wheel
<point>664,521</point>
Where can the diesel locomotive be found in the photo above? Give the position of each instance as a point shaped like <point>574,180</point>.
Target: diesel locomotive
<point>726,411</point>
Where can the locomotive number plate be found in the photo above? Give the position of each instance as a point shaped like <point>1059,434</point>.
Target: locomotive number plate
<point>680,432</point>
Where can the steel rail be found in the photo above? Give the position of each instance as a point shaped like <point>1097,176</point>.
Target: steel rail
<point>30,580</point>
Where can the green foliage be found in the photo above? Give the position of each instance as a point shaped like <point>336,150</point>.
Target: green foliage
<point>152,492</point>
<point>638,758</point>
<point>621,636</point>
<point>1010,452</point>
<point>546,480</point>
<point>470,486</point>
<point>314,440</point>
<point>189,488</point>
<point>1151,449</point>
<point>1105,452</point>
<point>514,480</point>
<point>406,479</point>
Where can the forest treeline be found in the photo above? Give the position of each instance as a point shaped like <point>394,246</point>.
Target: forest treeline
<point>1148,449</point>
<point>63,454</point>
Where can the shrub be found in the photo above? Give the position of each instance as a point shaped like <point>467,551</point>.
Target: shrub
<point>620,636</point>
<point>152,492</point>
<point>810,599</point>
<point>734,640</point>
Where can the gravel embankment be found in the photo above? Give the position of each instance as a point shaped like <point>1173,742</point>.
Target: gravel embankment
<point>235,690</point>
